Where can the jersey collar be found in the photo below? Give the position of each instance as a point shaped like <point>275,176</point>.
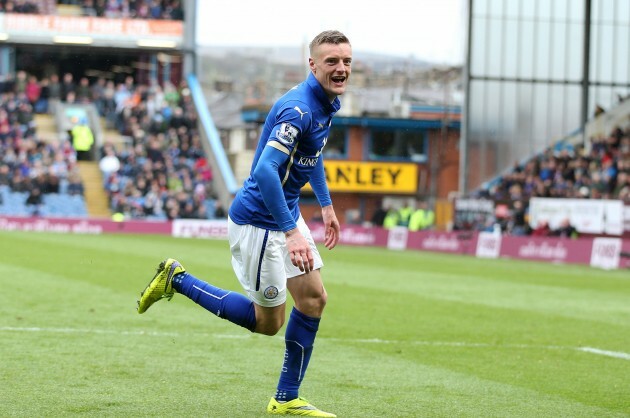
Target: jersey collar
<point>321,95</point>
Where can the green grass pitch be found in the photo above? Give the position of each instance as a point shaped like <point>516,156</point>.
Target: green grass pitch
<point>405,334</point>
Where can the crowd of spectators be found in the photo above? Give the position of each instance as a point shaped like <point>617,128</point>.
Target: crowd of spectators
<point>128,9</point>
<point>28,164</point>
<point>414,216</point>
<point>161,170</point>
<point>19,6</point>
<point>600,170</point>
<point>134,9</point>
<point>158,170</point>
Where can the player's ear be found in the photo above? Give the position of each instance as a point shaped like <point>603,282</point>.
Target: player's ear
<point>311,64</point>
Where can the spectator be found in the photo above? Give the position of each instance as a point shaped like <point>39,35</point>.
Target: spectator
<point>41,105</point>
<point>404,214</point>
<point>422,218</point>
<point>542,229</point>
<point>97,95</point>
<point>54,93</point>
<point>517,225</point>
<point>113,9</point>
<point>5,127</point>
<point>89,8</point>
<point>25,120</point>
<point>219,211</point>
<point>109,103</point>
<point>153,201</point>
<point>391,218</point>
<point>155,9</point>
<point>5,175</point>
<point>32,90</point>
<point>67,87</point>
<point>83,92</point>
<point>21,79</point>
<point>75,185</point>
<point>82,140</point>
<point>174,10</point>
<point>565,230</point>
<point>20,183</point>
<point>109,163</point>
<point>35,200</point>
<point>378,217</point>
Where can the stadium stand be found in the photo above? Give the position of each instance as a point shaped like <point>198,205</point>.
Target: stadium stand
<point>142,9</point>
<point>599,169</point>
<point>34,173</point>
<point>162,172</point>
<point>146,128</point>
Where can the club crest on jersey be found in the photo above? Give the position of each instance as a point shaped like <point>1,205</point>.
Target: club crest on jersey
<point>271,292</point>
<point>287,133</point>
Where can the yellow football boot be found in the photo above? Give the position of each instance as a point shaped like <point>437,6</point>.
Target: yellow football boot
<point>161,286</point>
<point>298,406</point>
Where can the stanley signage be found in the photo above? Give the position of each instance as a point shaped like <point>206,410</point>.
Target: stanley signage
<point>370,177</point>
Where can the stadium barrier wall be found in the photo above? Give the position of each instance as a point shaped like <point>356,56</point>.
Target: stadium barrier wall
<point>601,252</point>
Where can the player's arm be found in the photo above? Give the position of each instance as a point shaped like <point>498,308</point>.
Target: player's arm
<point>266,175</point>
<point>320,188</point>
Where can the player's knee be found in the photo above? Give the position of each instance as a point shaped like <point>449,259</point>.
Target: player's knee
<point>320,302</point>
<point>314,306</point>
<point>322,299</point>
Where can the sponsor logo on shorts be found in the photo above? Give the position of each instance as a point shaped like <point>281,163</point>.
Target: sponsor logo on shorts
<point>271,292</point>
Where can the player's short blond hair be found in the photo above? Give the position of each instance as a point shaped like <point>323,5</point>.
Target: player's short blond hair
<point>328,37</point>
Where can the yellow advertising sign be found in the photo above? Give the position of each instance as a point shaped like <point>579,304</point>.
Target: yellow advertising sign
<point>370,177</point>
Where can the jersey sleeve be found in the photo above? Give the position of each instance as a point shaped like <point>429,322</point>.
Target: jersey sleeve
<point>318,183</point>
<point>292,120</point>
<point>266,175</point>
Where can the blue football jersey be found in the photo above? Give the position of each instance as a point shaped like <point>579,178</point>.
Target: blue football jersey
<point>297,129</point>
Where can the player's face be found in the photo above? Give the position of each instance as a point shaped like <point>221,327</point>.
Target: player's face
<point>331,65</point>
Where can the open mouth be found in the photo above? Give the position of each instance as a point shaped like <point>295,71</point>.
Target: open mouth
<point>338,79</point>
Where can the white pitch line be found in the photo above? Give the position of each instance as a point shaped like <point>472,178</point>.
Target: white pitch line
<point>597,351</point>
<point>615,354</point>
<point>112,332</point>
<point>446,343</point>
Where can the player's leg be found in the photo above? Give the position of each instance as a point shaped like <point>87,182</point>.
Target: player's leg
<point>172,277</point>
<point>309,295</point>
<point>257,260</point>
<point>232,306</point>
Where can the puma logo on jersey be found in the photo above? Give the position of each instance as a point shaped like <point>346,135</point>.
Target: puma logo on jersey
<point>300,112</point>
<point>320,125</point>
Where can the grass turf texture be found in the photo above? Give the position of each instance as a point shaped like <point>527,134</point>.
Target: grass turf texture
<point>405,334</point>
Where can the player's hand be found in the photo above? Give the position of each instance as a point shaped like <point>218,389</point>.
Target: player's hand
<point>299,250</point>
<point>331,237</point>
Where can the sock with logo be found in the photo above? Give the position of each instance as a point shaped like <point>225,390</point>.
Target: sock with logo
<point>299,338</point>
<point>225,304</point>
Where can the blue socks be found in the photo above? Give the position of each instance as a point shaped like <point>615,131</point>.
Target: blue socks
<point>225,304</point>
<point>237,308</point>
<point>299,338</point>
